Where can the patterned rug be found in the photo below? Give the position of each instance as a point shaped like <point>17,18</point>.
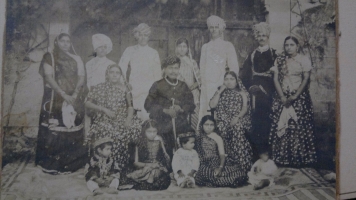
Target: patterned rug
<point>22,180</point>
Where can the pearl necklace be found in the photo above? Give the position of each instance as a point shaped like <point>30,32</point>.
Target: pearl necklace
<point>170,83</point>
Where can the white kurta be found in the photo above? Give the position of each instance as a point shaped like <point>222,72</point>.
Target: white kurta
<point>96,69</point>
<point>186,161</point>
<point>145,70</point>
<point>216,55</point>
<point>264,170</point>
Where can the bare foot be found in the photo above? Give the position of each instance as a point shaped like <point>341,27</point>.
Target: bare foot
<point>112,190</point>
<point>263,183</point>
<point>98,192</point>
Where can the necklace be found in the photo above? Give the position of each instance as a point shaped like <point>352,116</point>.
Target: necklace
<point>170,83</point>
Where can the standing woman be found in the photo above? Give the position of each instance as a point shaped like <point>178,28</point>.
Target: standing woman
<point>190,74</point>
<point>60,144</point>
<point>233,116</point>
<point>292,133</point>
<point>114,116</point>
<point>141,66</point>
<point>217,57</point>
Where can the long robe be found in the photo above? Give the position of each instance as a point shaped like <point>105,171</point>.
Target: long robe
<point>160,97</point>
<point>254,72</point>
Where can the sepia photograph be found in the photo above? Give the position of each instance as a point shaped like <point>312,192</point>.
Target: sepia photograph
<point>169,99</point>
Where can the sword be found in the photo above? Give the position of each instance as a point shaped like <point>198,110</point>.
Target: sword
<point>174,127</point>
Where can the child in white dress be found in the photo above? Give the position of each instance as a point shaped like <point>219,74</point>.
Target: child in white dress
<point>185,161</point>
<point>262,172</point>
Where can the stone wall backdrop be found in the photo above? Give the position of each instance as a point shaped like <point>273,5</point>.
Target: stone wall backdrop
<point>30,34</point>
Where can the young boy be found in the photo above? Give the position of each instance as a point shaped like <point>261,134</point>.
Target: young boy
<point>185,161</point>
<point>262,172</point>
<point>99,172</point>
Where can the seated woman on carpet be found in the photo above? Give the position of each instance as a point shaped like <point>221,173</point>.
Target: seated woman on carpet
<point>151,160</point>
<point>213,170</point>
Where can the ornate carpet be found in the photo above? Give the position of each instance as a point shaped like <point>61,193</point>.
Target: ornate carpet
<point>22,180</point>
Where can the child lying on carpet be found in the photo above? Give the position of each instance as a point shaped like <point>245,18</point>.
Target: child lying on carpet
<point>262,172</point>
<point>185,161</point>
<point>100,174</point>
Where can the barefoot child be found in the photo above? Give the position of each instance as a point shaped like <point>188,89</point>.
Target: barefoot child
<point>151,160</point>
<point>262,172</point>
<point>185,161</point>
<point>100,174</point>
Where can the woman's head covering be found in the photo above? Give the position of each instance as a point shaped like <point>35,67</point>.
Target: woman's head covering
<point>215,20</point>
<point>261,27</point>
<point>108,70</point>
<point>56,47</point>
<point>142,28</point>
<point>102,40</point>
<point>102,141</point>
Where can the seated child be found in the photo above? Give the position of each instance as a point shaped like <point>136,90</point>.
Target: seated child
<point>151,160</point>
<point>262,172</point>
<point>185,161</point>
<point>100,174</point>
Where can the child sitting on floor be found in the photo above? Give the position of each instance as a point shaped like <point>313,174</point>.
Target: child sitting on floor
<point>262,172</point>
<point>100,174</point>
<point>185,161</point>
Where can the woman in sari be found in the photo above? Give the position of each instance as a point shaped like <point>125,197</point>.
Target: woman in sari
<point>190,74</point>
<point>114,116</point>
<point>60,137</point>
<point>233,116</point>
<point>292,133</point>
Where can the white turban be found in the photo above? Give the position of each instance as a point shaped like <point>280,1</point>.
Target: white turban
<point>262,27</point>
<point>143,28</point>
<point>102,40</point>
<point>215,20</point>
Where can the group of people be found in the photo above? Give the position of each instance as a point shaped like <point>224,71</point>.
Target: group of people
<point>206,124</point>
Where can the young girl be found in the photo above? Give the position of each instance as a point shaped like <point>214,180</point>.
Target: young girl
<point>213,170</point>
<point>190,74</point>
<point>185,161</point>
<point>262,172</point>
<point>151,160</point>
<point>100,174</point>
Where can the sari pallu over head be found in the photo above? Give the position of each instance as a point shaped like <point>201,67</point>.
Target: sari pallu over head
<point>65,73</point>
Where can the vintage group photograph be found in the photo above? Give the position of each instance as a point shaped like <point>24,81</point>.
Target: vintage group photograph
<point>169,99</point>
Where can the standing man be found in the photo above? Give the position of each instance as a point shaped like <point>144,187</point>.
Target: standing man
<point>255,75</point>
<point>144,70</point>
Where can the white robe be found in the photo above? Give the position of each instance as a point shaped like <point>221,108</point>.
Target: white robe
<point>216,55</point>
<point>145,70</point>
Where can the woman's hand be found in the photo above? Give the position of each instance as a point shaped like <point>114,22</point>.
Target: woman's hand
<point>128,122</point>
<point>285,101</point>
<point>292,98</point>
<point>167,157</point>
<point>68,99</point>
<point>217,172</point>
<point>222,88</point>
<point>234,121</point>
<point>109,113</point>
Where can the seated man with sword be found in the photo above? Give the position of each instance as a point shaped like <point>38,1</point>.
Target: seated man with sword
<point>169,102</point>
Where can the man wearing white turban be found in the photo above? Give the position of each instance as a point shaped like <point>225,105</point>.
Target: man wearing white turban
<point>217,57</point>
<point>256,76</point>
<point>144,70</point>
<point>96,67</point>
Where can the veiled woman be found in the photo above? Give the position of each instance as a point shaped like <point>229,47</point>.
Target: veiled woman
<point>60,137</point>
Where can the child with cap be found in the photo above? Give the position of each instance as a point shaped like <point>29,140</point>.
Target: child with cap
<point>100,174</point>
<point>185,161</point>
